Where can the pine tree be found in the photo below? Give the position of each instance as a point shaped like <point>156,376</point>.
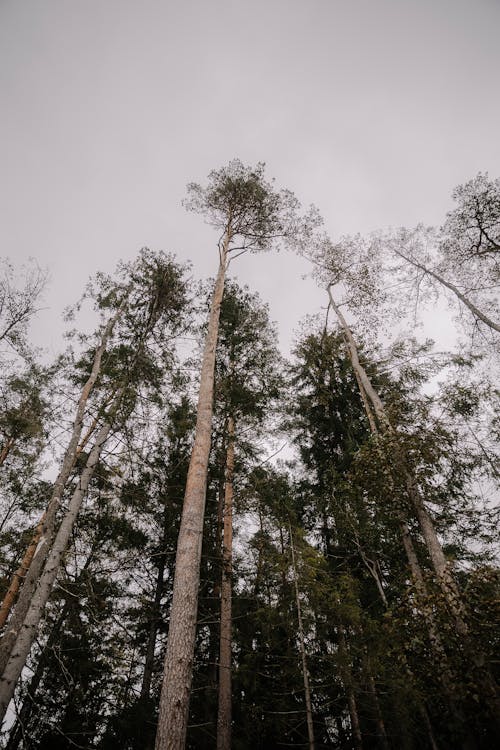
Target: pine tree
<point>250,216</point>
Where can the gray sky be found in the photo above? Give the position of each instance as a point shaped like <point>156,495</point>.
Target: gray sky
<point>372,109</point>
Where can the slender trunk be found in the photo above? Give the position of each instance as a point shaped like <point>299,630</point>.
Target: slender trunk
<point>214,626</point>
<point>465,300</point>
<point>346,673</point>
<point>379,719</point>
<point>366,403</point>
<point>42,548</point>
<point>445,579</point>
<point>359,370</point>
<point>353,713</point>
<point>305,672</point>
<point>447,583</point>
<point>17,733</point>
<point>153,630</point>
<point>6,449</point>
<point>18,576</point>
<point>224,708</point>
<point>436,643</point>
<point>8,513</point>
<point>260,550</point>
<point>41,595</point>
<point>20,573</point>
<point>174,699</point>
<point>428,727</point>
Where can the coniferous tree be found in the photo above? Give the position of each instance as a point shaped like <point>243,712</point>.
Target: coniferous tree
<point>250,216</point>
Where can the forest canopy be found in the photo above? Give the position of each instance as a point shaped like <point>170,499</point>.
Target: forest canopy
<point>208,542</point>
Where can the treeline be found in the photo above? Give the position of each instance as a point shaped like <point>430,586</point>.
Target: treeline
<point>169,580</point>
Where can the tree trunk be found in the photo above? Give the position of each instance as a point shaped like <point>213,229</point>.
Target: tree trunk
<point>465,300</point>
<point>174,699</point>
<point>34,614</point>
<point>46,536</point>
<point>18,576</point>
<point>21,572</point>
<point>305,672</point>
<point>153,630</point>
<point>379,719</point>
<point>225,651</point>
<point>17,733</point>
<point>447,583</point>
<point>346,673</point>
<point>445,579</point>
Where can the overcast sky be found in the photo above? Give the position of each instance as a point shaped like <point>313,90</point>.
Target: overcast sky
<point>371,109</point>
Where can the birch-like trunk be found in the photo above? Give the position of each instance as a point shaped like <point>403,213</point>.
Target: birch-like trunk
<point>465,300</point>
<point>448,586</point>
<point>446,581</point>
<point>174,699</point>
<point>224,714</point>
<point>303,656</point>
<point>43,590</point>
<point>19,575</point>
<point>38,555</point>
<point>18,731</point>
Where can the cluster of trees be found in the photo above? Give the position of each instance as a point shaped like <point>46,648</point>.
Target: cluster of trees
<point>172,583</point>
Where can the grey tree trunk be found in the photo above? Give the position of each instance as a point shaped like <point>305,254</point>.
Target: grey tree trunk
<point>438,560</point>
<point>303,656</point>
<point>224,714</point>
<point>465,300</point>
<point>43,590</point>
<point>174,699</point>
<point>445,579</point>
<point>36,557</point>
<point>18,731</point>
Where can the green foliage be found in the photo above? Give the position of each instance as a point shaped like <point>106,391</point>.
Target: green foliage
<point>94,677</point>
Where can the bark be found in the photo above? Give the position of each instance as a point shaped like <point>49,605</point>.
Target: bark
<point>448,586</point>
<point>18,576</point>
<point>21,572</point>
<point>465,300</point>
<point>224,708</point>
<point>27,632</point>
<point>353,713</point>
<point>214,625</point>
<point>48,526</point>
<point>305,671</point>
<point>447,583</point>
<point>359,370</point>
<point>17,733</point>
<point>153,631</point>
<point>345,670</point>
<point>379,719</point>
<point>174,699</point>
<point>366,403</point>
<point>260,555</point>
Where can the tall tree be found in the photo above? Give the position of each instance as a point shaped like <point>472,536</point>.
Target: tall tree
<point>247,384</point>
<point>155,292</point>
<point>250,215</point>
